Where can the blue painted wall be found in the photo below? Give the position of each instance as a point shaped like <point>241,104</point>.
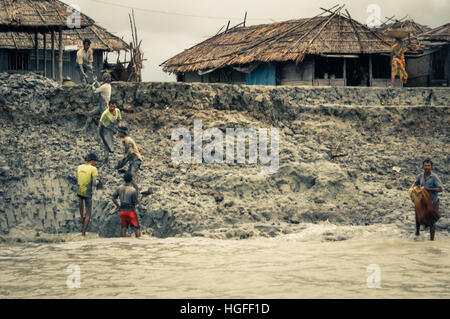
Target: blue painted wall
<point>264,74</point>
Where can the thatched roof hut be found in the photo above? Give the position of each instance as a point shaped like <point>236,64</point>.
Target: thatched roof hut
<point>281,41</point>
<point>37,15</point>
<point>439,34</point>
<point>100,38</point>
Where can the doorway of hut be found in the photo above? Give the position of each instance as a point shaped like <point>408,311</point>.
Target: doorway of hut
<point>357,71</point>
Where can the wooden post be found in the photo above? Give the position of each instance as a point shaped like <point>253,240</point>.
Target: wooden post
<point>245,18</point>
<point>370,70</point>
<point>344,72</point>
<point>45,53</point>
<point>53,54</point>
<point>60,55</point>
<point>36,51</point>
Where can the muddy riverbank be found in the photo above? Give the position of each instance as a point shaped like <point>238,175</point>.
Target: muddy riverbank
<point>347,156</point>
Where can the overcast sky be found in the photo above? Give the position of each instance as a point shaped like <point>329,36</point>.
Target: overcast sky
<point>167,27</point>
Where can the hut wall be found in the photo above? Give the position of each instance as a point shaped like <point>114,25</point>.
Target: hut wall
<point>3,60</point>
<point>192,77</point>
<point>418,70</point>
<point>224,75</point>
<point>447,65</point>
<point>293,74</point>
<point>69,63</point>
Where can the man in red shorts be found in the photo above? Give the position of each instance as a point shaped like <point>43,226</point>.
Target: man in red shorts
<point>128,200</point>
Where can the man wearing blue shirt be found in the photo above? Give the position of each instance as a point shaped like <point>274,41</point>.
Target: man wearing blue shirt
<point>433,185</point>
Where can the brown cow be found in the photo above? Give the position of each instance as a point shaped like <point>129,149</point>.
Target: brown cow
<point>426,212</point>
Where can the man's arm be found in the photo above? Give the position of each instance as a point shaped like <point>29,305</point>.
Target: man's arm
<point>114,198</point>
<point>437,186</point>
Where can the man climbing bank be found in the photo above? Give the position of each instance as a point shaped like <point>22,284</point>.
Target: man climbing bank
<point>87,179</point>
<point>109,121</point>
<point>132,155</point>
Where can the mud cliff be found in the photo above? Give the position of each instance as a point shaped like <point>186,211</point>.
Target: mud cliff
<point>347,156</point>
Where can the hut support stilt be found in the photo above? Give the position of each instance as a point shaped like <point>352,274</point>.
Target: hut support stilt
<point>60,55</point>
<point>344,71</point>
<point>53,54</point>
<point>36,51</point>
<point>370,70</point>
<point>45,53</point>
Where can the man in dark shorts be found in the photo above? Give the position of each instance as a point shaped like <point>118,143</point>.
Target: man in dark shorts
<point>128,196</point>
<point>433,185</point>
<point>86,175</point>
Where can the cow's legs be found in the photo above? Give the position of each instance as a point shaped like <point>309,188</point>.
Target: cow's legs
<point>432,227</point>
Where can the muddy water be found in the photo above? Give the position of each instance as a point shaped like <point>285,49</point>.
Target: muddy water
<point>301,265</point>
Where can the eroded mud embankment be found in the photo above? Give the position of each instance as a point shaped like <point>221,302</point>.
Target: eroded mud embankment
<point>347,155</point>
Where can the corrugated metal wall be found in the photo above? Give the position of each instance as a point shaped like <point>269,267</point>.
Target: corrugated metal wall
<point>69,63</point>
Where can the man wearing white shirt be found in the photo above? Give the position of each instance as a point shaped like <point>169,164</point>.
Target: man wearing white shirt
<point>85,59</point>
<point>104,96</point>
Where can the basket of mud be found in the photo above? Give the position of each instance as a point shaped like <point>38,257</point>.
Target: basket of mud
<point>397,33</point>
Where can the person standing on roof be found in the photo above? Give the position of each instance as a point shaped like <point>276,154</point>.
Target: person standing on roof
<point>85,59</point>
<point>87,179</point>
<point>107,127</point>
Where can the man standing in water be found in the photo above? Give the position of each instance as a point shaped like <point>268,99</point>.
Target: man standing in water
<point>433,185</point>
<point>132,155</point>
<point>128,196</point>
<point>86,175</point>
<point>108,122</point>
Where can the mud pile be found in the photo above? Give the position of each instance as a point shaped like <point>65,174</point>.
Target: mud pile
<point>347,155</point>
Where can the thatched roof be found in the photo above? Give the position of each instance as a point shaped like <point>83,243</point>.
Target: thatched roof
<point>441,33</point>
<point>31,15</point>
<point>100,39</point>
<point>281,41</point>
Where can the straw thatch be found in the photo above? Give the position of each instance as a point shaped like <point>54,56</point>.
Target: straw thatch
<point>100,40</point>
<point>282,41</point>
<point>32,15</point>
<point>441,33</point>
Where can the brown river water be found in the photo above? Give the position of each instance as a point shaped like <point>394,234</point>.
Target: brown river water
<point>377,261</point>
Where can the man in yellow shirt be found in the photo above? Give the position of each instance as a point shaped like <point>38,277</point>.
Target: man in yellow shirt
<point>108,122</point>
<point>86,175</point>
<point>85,59</point>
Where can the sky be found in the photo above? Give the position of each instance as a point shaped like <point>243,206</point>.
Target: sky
<point>167,27</point>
